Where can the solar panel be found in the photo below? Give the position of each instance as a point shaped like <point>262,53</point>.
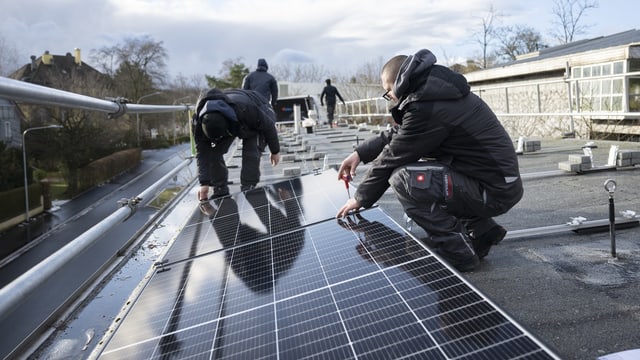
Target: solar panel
<point>271,273</point>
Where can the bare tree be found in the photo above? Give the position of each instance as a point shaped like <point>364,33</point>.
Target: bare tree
<point>9,58</point>
<point>517,40</point>
<point>487,33</point>
<point>191,85</point>
<point>568,15</point>
<point>137,64</point>
<point>300,72</point>
<point>369,72</point>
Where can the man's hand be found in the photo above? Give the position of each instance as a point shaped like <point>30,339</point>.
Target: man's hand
<point>203,193</point>
<point>275,159</point>
<point>349,165</point>
<point>350,205</point>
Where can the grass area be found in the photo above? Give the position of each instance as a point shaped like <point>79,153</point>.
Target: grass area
<point>165,196</point>
<point>58,186</point>
<point>58,191</point>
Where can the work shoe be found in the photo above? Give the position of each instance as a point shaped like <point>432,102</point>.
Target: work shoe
<point>483,243</point>
<point>460,255</point>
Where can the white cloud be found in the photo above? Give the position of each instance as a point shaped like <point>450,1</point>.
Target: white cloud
<point>339,35</point>
<point>293,56</point>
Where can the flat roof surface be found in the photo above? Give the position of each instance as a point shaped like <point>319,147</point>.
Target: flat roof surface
<point>566,288</point>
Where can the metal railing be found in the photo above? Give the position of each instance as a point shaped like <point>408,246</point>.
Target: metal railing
<point>19,289</point>
<point>363,109</point>
<point>36,94</point>
<point>546,120</point>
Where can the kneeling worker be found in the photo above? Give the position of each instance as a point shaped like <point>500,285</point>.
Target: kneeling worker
<point>449,160</point>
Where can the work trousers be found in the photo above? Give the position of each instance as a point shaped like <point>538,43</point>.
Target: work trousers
<point>446,204</point>
<point>250,170</point>
<point>331,108</point>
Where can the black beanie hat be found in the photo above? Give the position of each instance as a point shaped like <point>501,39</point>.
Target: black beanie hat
<point>215,116</point>
<point>215,125</point>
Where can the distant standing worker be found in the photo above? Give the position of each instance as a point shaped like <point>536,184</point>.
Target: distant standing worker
<point>330,92</point>
<point>262,82</point>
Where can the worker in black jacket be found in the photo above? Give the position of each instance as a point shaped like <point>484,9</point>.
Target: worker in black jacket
<point>220,117</point>
<point>448,158</point>
<point>328,96</point>
<point>261,81</point>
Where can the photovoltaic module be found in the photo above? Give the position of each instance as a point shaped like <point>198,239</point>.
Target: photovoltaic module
<point>272,274</point>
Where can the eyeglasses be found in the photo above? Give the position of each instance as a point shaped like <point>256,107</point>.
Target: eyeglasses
<point>386,95</point>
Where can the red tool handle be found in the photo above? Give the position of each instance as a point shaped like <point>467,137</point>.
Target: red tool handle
<point>346,178</point>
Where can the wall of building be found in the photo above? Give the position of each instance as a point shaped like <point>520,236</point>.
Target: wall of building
<point>589,89</point>
<point>532,108</point>
<point>10,132</point>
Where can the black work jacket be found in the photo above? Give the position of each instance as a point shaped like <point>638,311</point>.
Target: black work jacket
<point>440,118</point>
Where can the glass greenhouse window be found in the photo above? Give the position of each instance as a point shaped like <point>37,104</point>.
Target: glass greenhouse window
<point>616,104</point>
<point>600,94</point>
<point>577,73</point>
<point>606,87</point>
<point>617,86</point>
<point>634,94</point>
<point>618,67</point>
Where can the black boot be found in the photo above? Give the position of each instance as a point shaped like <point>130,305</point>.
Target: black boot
<point>482,244</point>
<point>456,249</point>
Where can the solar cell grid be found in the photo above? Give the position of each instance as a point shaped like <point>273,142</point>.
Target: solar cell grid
<point>268,276</point>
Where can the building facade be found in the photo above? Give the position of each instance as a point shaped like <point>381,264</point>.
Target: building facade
<point>586,89</point>
<point>10,122</point>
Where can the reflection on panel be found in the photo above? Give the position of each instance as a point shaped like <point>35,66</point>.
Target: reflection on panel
<point>272,274</point>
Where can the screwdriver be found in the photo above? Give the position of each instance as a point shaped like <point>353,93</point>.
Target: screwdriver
<point>346,178</point>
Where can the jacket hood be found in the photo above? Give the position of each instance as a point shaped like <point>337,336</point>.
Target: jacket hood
<point>219,106</point>
<point>212,124</point>
<point>420,78</point>
<point>262,65</point>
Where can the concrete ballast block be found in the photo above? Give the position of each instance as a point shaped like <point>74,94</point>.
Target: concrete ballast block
<point>291,171</point>
<point>569,166</point>
<point>579,159</point>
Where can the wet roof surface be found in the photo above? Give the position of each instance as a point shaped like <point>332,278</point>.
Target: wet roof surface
<point>565,288</point>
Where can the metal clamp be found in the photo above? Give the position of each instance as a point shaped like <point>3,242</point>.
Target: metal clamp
<point>122,107</point>
<point>132,204</point>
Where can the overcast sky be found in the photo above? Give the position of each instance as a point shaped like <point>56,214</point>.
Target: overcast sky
<point>339,35</point>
